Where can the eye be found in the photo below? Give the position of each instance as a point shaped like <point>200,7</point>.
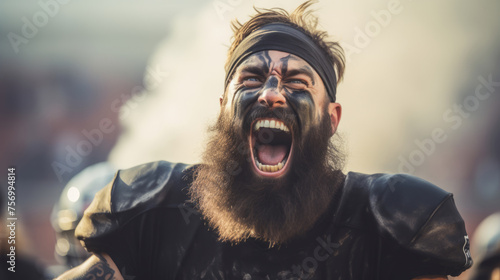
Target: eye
<point>251,81</point>
<point>297,82</point>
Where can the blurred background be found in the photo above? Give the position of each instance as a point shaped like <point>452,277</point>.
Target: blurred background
<point>128,82</point>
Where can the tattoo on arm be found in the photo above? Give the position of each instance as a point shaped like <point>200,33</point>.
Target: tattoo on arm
<point>99,271</point>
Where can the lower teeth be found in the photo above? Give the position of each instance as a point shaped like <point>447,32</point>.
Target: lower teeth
<point>270,168</point>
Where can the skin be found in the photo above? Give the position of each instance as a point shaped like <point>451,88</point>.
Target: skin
<point>495,274</point>
<point>273,79</point>
<point>432,277</point>
<point>96,267</point>
<point>268,78</point>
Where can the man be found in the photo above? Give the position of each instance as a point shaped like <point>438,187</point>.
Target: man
<point>269,200</point>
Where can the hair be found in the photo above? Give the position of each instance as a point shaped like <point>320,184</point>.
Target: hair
<point>303,19</point>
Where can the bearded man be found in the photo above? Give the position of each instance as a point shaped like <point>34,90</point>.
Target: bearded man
<point>269,200</point>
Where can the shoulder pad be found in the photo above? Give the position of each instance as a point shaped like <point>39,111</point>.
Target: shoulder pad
<point>132,192</point>
<point>145,186</point>
<point>421,217</point>
<point>401,204</point>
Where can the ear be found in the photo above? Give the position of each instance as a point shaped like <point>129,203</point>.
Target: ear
<point>335,111</point>
<point>220,100</point>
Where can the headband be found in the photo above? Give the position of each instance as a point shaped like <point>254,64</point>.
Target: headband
<point>283,37</point>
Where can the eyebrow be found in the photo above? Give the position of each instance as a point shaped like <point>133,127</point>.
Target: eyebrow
<point>257,69</point>
<point>306,70</point>
<point>253,70</point>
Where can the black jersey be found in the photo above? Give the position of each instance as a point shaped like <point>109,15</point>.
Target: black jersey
<point>379,226</point>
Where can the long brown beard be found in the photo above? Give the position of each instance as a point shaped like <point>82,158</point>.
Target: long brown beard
<point>238,204</point>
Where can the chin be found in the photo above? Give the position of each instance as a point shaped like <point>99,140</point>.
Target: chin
<point>284,181</point>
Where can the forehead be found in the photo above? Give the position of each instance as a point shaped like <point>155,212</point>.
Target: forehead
<point>276,60</point>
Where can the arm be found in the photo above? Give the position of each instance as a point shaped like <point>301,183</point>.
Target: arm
<point>97,267</point>
<point>431,277</point>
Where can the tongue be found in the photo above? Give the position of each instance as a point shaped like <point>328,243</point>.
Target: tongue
<point>271,154</point>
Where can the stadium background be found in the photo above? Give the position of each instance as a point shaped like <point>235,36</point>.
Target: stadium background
<point>146,75</point>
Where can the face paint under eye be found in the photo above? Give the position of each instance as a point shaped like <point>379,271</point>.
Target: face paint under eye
<point>243,99</point>
<point>303,105</point>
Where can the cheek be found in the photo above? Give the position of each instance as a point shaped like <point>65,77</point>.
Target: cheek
<point>304,106</point>
<point>321,110</point>
<point>241,103</point>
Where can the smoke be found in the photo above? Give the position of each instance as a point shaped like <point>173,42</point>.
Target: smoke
<point>415,59</point>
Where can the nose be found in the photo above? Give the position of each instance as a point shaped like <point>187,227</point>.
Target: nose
<point>272,98</point>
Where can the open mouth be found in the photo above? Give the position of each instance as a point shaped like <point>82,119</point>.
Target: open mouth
<point>271,147</point>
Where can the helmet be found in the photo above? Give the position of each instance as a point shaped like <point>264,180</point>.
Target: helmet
<point>75,198</point>
<point>486,245</point>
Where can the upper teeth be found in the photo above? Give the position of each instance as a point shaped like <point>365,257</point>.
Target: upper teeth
<point>271,124</point>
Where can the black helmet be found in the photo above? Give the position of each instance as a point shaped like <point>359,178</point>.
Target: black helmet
<point>75,198</point>
<point>486,246</point>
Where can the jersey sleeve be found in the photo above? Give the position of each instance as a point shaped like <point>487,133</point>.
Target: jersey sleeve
<point>133,218</point>
<point>422,230</point>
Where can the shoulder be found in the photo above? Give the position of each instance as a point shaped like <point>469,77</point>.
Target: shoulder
<point>395,186</point>
<point>395,195</point>
<point>391,196</point>
<point>149,185</point>
<point>133,192</point>
<point>402,204</point>
<point>416,214</point>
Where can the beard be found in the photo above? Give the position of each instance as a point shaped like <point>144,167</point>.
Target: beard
<point>238,204</point>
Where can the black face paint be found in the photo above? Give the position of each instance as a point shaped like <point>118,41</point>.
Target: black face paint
<point>300,101</point>
<point>271,83</point>
<point>302,105</point>
<point>271,209</point>
<point>283,37</point>
<point>242,205</point>
<point>244,100</point>
<point>284,60</point>
<point>266,60</point>
<point>299,113</point>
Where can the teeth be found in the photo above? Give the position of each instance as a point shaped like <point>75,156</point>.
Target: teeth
<point>270,168</point>
<point>271,124</point>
